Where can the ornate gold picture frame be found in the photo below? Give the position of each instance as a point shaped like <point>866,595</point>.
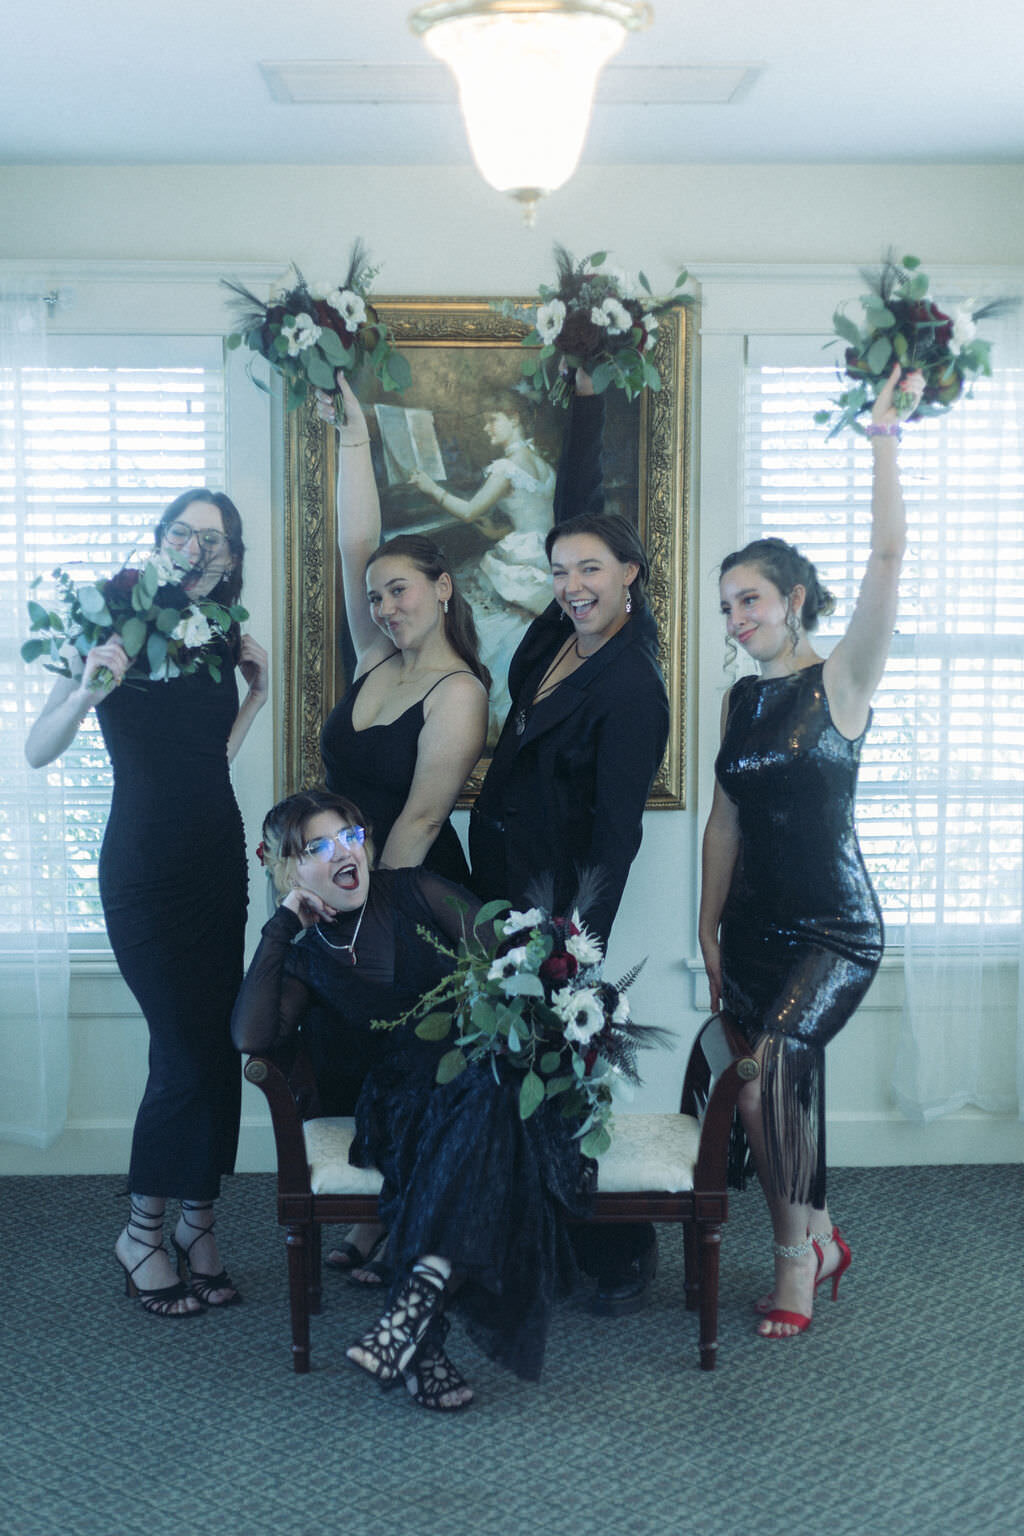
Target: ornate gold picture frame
<point>465,359</point>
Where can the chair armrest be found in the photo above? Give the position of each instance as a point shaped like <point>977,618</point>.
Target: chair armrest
<point>286,1120</point>
<point>720,1063</point>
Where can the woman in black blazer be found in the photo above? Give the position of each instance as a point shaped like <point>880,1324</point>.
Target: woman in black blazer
<point>571,772</point>
<point>565,792</point>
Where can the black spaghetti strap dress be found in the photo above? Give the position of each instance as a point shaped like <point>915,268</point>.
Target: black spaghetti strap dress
<point>173,885</point>
<point>374,769</point>
<point>801,931</point>
<point>464,1175</point>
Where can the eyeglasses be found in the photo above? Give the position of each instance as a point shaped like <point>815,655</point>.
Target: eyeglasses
<point>322,848</point>
<point>212,542</point>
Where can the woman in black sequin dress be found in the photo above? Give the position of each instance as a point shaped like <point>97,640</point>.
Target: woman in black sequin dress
<point>173,886</point>
<point>790,927</point>
<point>468,1185</point>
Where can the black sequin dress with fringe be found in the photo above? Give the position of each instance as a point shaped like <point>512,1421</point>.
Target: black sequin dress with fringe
<point>801,931</point>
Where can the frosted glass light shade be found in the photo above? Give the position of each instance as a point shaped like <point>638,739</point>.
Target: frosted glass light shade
<point>526,74</point>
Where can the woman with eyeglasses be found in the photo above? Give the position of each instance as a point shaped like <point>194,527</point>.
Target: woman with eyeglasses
<point>470,1189</point>
<point>173,885</point>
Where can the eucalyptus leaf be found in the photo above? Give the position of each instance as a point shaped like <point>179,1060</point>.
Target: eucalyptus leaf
<point>401,373</point>
<point>451,1066</point>
<point>911,262</point>
<point>531,1095</point>
<point>318,370</point>
<point>550,1062</point>
<point>918,286</point>
<point>133,637</point>
<point>40,618</point>
<point>595,1142</point>
<point>603,375</point>
<point>523,985</point>
<point>31,650</point>
<point>644,284</point>
<point>846,328</point>
<point>233,341</point>
<point>93,605</point>
<point>557,1085</point>
<point>879,354</point>
<point>435,1026</point>
<point>166,620</point>
<point>332,346</point>
<point>156,648</point>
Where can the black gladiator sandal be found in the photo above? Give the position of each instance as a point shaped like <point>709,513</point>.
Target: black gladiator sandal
<point>202,1286</point>
<point>161,1301</point>
<point>431,1376</point>
<point>391,1344</point>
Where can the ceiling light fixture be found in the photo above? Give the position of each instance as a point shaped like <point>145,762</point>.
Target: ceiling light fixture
<point>526,71</point>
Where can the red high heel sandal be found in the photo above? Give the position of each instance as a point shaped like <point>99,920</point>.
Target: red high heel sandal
<point>845,1258</point>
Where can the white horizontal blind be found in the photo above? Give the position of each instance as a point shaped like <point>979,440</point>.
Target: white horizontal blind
<point>94,448</point>
<point>941,798</point>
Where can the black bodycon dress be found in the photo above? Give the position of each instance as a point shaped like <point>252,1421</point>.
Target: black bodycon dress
<point>173,885</point>
<point>374,769</point>
<point>801,930</point>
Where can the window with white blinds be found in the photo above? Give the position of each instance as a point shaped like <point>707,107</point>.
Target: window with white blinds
<point>94,447</point>
<point>941,798</point>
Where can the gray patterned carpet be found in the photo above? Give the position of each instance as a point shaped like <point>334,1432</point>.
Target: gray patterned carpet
<point>902,1411</point>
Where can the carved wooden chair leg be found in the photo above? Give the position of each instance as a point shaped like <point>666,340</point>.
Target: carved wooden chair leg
<point>315,1269</point>
<point>710,1247</point>
<point>297,1240</point>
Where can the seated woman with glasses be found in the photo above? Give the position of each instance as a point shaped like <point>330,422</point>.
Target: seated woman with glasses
<point>470,1189</point>
<point>173,853</point>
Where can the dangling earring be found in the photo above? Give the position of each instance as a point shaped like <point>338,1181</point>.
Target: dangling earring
<point>629,602</point>
<point>793,625</point>
<point>446,605</point>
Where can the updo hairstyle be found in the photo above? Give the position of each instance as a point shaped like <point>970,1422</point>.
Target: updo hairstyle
<point>785,567</point>
<point>284,831</point>
<point>620,537</point>
<point>430,560</point>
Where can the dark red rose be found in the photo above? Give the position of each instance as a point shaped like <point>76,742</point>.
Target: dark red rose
<point>580,335</point>
<point>558,968</point>
<point>854,362</point>
<point>124,580</point>
<point>590,1056</point>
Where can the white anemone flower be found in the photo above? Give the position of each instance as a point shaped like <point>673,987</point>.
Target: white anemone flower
<point>349,305</point>
<point>168,569</point>
<point>650,325</point>
<point>193,630</point>
<point>620,1014</point>
<point>550,319</point>
<point>517,920</point>
<point>581,1012</point>
<point>301,333</point>
<point>612,316</point>
<point>964,328</point>
<point>507,964</point>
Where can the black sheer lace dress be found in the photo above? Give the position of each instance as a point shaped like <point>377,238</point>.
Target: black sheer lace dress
<point>464,1176</point>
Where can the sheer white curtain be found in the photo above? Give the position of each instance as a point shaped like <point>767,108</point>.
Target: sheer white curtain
<point>962,1036</point>
<point>34,971</point>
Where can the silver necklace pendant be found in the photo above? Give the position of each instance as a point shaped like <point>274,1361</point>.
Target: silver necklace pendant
<point>349,948</point>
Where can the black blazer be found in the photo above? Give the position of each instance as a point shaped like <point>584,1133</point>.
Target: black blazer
<point>567,795</point>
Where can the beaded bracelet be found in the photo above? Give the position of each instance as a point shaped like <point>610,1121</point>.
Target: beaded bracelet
<point>880,429</point>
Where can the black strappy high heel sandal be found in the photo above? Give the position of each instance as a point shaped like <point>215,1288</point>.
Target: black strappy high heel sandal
<point>431,1376</point>
<point>390,1345</point>
<point>160,1301</point>
<point>199,1285</point>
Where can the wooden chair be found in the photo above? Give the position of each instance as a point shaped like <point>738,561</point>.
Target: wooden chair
<point>662,1167</point>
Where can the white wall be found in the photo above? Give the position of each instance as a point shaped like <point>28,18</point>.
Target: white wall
<point>442,232</point>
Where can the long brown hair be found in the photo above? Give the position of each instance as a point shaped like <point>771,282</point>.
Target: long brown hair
<point>284,838</point>
<point>229,589</point>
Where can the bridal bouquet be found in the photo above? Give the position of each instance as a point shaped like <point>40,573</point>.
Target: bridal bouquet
<point>533,997</point>
<point>596,318</point>
<point>306,331</point>
<point>902,323</point>
<point>164,631</point>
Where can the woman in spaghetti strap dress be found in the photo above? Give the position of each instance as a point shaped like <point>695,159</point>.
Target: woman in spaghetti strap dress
<point>402,741</point>
<point>790,927</point>
<point>173,854</point>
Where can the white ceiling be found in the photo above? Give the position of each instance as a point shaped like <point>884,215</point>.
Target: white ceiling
<point>179,82</point>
